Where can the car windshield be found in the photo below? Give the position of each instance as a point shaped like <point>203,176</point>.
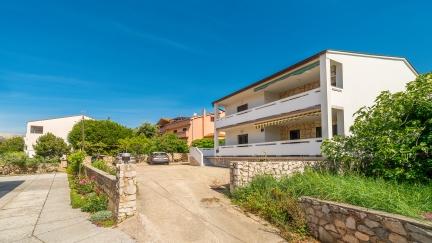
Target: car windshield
<point>159,154</point>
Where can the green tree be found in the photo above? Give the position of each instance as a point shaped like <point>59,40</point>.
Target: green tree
<point>147,129</point>
<point>101,136</point>
<point>391,139</point>
<point>13,144</point>
<point>206,143</point>
<point>50,146</point>
<point>170,143</point>
<point>138,145</point>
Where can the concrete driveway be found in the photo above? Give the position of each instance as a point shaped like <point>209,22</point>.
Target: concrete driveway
<point>176,204</point>
<point>35,208</point>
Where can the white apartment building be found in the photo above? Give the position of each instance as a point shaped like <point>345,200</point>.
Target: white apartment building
<point>290,112</point>
<point>60,127</point>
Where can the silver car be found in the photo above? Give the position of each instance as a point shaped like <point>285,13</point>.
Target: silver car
<point>159,158</point>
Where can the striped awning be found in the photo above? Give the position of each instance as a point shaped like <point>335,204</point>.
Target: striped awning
<point>286,119</point>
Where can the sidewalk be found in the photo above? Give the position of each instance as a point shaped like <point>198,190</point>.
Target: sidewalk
<point>35,208</point>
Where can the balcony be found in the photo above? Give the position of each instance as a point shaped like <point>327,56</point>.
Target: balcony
<point>300,147</point>
<point>289,104</point>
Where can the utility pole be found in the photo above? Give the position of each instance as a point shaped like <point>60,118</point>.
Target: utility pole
<point>82,133</point>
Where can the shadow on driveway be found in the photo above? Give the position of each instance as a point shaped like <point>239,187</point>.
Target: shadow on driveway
<point>8,186</point>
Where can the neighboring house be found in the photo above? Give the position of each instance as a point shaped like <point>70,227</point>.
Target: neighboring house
<point>190,128</point>
<point>290,112</point>
<point>60,127</point>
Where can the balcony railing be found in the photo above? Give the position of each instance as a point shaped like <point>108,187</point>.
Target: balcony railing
<point>300,147</point>
<point>296,102</point>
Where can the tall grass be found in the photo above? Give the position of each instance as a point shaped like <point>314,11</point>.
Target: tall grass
<point>277,200</point>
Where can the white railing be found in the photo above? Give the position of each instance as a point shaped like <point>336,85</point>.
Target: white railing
<point>195,153</point>
<point>291,103</point>
<point>207,152</point>
<point>300,147</point>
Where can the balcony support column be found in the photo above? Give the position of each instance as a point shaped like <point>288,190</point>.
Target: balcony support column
<point>326,112</point>
<point>216,132</point>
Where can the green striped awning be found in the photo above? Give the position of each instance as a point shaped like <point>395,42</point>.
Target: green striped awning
<point>294,73</point>
<point>284,120</point>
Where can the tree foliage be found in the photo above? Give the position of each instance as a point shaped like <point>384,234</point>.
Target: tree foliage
<point>13,144</point>
<point>147,130</point>
<point>137,145</point>
<point>391,139</point>
<point>101,136</point>
<point>50,146</point>
<point>170,143</point>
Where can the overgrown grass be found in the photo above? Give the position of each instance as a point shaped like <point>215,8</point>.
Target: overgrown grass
<point>101,165</point>
<point>276,200</point>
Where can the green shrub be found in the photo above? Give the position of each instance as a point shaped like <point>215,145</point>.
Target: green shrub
<point>137,145</point>
<point>206,143</point>
<point>101,165</point>
<point>84,185</point>
<point>95,202</point>
<point>101,216</point>
<point>13,144</point>
<point>77,200</point>
<point>14,158</point>
<point>391,139</point>
<point>74,162</point>
<point>147,130</point>
<point>50,146</point>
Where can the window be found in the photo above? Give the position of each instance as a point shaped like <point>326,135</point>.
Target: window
<point>184,129</point>
<point>36,129</point>
<point>333,75</point>
<point>294,134</point>
<point>242,139</point>
<point>242,108</point>
<point>212,119</point>
<point>175,131</point>
<point>318,132</point>
<point>334,128</point>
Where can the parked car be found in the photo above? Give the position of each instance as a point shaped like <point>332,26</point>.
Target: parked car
<point>159,158</point>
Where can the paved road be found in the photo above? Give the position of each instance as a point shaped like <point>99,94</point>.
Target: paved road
<point>35,208</point>
<point>176,204</point>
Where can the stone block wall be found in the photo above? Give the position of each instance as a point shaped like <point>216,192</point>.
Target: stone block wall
<point>338,222</point>
<point>242,172</point>
<point>9,169</point>
<point>126,189</point>
<point>121,189</point>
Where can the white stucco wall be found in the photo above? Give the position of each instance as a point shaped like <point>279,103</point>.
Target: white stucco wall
<point>60,127</point>
<point>364,78</point>
<point>254,135</point>
<point>252,101</point>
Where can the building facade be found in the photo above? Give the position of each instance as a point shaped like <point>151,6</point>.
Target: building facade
<point>60,127</point>
<point>290,112</point>
<point>189,128</point>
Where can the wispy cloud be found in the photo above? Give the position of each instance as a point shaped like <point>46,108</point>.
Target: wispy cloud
<point>42,78</point>
<point>152,37</point>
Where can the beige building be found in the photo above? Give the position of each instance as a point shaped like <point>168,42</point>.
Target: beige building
<point>190,128</point>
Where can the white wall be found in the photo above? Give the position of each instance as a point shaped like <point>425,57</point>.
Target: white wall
<point>363,80</point>
<point>252,101</point>
<point>254,135</point>
<point>60,127</point>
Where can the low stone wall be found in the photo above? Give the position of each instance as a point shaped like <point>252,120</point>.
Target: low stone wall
<point>178,157</point>
<point>121,189</point>
<point>338,222</point>
<point>224,161</point>
<point>242,172</point>
<point>37,169</point>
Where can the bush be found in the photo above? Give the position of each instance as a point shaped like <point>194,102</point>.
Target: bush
<point>50,146</point>
<point>206,143</point>
<point>95,202</point>
<point>14,158</point>
<point>391,139</point>
<point>77,200</point>
<point>101,165</point>
<point>170,143</point>
<point>13,144</point>
<point>101,136</point>
<point>74,162</point>
<point>101,216</point>
<point>84,185</point>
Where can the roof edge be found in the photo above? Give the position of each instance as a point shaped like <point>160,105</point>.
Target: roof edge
<point>53,118</point>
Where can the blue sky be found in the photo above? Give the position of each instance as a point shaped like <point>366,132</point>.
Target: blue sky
<point>136,61</point>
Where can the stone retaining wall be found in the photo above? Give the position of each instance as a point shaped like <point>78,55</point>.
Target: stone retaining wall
<point>338,222</point>
<point>224,161</point>
<point>242,172</point>
<point>121,189</point>
<point>36,169</point>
